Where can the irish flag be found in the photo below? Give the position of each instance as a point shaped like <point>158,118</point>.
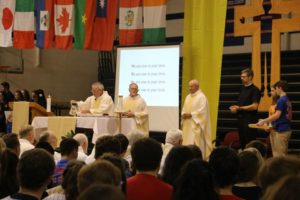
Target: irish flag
<point>63,23</point>
<point>24,24</point>
<point>154,21</point>
<point>44,23</point>
<point>7,11</point>
<point>85,11</point>
<point>130,22</point>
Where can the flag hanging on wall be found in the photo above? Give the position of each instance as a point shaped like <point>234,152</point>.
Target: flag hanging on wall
<point>154,21</point>
<point>63,23</point>
<point>85,11</point>
<point>130,22</point>
<point>24,24</point>
<point>104,25</point>
<point>44,23</point>
<point>7,12</point>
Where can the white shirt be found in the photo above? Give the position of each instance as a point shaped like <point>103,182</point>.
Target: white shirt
<point>81,155</point>
<point>105,104</point>
<point>25,145</point>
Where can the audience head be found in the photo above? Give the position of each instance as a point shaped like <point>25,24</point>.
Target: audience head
<point>249,166</point>
<point>257,154</point>
<point>177,157</point>
<point>286,188</point>
<point>18,96</point>
<point>196,151</point>
<point>123,141</point>
<point>46,146</point>
<point>27,132</point>
<point>195,181</point>
<point>69,179</point>
<point>69,147</point>
<point>225,165</point>
<point>118,162</point>
<point>260,146</point>
<point>146,155</point>
<point>82,139</point>
<point>134,135</point>
<point>100,171</point>
<point>174,137</point>
<point>97,89</point>
<point>25,94</point>
<point>5,86</point>
<point>9,183</point>
<point>35,169</point>
<point>49,136</point>
<point>193,86</point>
<point>275,168</point>
<point>102,192</point>
<point>12,142</point>
<point>107,144</point>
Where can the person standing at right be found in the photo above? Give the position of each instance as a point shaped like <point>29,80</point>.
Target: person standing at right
<point>246,107</point>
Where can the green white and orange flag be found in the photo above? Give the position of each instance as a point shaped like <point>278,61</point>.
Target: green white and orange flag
<point>7,12</point>
<point>24,24</point>
<point>154,21</point>
<point>130,22</point>
<point>84,19</point>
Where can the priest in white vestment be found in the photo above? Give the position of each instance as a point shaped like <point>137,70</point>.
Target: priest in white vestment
<point>196,125</point>
<point>135,106</point>
<point>99,103</point>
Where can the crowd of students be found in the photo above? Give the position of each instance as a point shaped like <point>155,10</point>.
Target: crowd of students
<point>136,167</point>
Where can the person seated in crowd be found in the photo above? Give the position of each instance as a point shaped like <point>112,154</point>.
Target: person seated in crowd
<point>146,156</point>
<point>124,145</point>
<point>275,168</point>
<point>195,181</point>
<point>26,96</point>
<point>12,143</point>
<point>177,157</point>
<point>68,189</point>
<point>99,103</point>
<point>99,172</point>
<point>69,151</point>
<point>2,114</point>
<point>49,137</point>
<point>260,146</point>
<point>82,139</point>
<point>27,138</point>
<point>102,191</point>
<point>133,136</point>
<point>173,138</point>
<point>246,186</point>
<point>135,106</point>
<point>38,96</point>
<point>225,165</point>
<point>46,146</point>
<point>286,188</point>
<point>107,144</point>
<point>8,95</point>
<point>9,183</point>
<point>34,170</point>
<point>118,162</point>
<point>196,151</point>
<point>18,96</point>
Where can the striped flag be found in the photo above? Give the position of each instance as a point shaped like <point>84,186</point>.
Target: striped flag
<point>7,12</point>
<point>44,23</point>
<point>84,20</point>
<point>63,23</point>
<point>104,25</point>
<point>154,21</point>
<point>24,24</point>
<point>130,22</point>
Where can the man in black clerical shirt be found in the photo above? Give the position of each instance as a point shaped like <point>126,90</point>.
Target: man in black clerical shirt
<point>246,107</point>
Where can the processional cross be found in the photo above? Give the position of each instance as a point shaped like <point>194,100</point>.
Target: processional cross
<point>285,16</point>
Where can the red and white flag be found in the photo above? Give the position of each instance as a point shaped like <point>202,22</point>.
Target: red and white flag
<point>7,11</point>
<point>131,22</point>
<point>64,23</point>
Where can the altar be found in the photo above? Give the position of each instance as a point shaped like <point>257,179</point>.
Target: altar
<point>100,125</point>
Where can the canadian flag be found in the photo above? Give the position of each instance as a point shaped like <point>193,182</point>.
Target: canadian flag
<point>7,11</point>
<point>63,23</point>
